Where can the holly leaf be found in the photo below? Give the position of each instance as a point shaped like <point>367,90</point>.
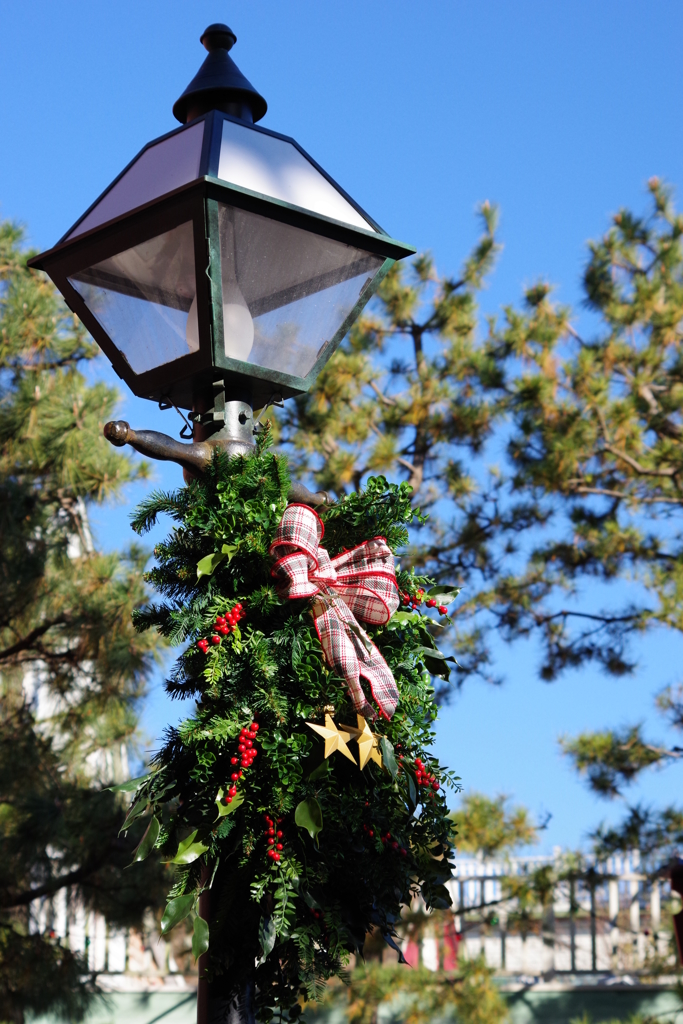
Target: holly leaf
<point>129,785</point>
<point>189,850</point>
<point>176,911</point>
<point>320,772</point>
<point>388,756</point>
<point>405,617</point>
<point>417,618</point>
<point>207,565</point>
<point>266,936</point>
<point>200,937</point>
<point>309,815</point>
<point>435,661</point>
<point>148,841</point>
<point>412,791</point>
<point>443,594</point>
<point>136,811</point>
<point>225,809</point>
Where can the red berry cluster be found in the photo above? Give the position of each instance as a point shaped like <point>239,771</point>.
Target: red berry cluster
<point>393,844</point>
<point>224,626</point>
<point>247,752</point>
<point>415,600</point>
<point>423,777</point>
<point>273,837</point>
<point>386,839</point>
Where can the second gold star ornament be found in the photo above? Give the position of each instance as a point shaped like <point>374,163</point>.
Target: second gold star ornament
<point>337,738</point>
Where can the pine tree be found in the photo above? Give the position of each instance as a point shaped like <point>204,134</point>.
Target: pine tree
<point>592,429</point>
<point>72,668</point>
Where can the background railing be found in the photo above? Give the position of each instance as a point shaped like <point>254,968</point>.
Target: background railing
<point>609,917</point>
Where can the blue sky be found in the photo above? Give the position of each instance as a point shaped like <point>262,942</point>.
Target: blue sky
<point>557,111</point>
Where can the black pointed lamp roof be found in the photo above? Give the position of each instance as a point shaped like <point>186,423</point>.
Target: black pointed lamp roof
<point>219,84</point>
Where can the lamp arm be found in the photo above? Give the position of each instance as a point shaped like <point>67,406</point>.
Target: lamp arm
<point>194,457</point>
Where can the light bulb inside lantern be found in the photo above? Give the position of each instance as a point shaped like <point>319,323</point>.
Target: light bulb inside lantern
<point>192,328</point>
<point>238,326</point>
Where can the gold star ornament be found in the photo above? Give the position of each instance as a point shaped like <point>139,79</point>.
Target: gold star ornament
<point>368,747</point>
<point>335,739</point>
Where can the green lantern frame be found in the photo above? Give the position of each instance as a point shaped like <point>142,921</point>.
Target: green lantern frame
<point>181,380</point>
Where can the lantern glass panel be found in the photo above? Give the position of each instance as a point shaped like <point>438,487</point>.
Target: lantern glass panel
<point>145,298</point>
<point>159,169</point>
<point>286,291</point>
<point>275,167</point>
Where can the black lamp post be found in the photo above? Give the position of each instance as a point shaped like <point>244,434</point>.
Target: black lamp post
<point>218,273</point>
<point>221,269</point>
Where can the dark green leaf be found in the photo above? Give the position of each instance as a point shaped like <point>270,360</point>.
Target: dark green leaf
<point>266,935</point>
<point>388,756</point>
<point>176,911</point>
<point>309,815</point>
<point>130,785</point>
<point>136,811</point>
<point>320,772</point>
<point>225,809</point>
<point>200,937</point>
<point>189,850</point>
<point>147,842</point>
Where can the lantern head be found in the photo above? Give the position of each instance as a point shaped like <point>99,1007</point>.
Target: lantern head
<point>223,251</point>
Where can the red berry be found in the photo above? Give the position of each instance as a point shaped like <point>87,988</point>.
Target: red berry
<point>254,726</point>
<point>271,841</point>
<point>443,610</point>
<point>233,760</point>
<point>248,743</point>
<point>394,845</point>
<point>431,603</point>
<point>276,856</point>
<point>371,833</point>
<point>220,621</point>
<point>279,833</point>
<point>253,752</point>
<point>406,599</point>
<point>232,791</point>
<point>435,785</point>
<point>271,831</point>
<point>225,799</point>
<point>278,846</point>
<point>235,776</point>
<point>215,639</point>
<point>404,852</point>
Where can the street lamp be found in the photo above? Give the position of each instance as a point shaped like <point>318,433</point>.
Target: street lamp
<point>222,268</point>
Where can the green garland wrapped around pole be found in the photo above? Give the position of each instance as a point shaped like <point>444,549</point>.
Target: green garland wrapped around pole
<point>296,823</point>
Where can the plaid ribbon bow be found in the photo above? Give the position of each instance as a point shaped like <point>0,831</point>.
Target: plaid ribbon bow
<point>358,584</point>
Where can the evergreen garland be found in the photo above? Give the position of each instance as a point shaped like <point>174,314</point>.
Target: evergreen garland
<point>303,855</point>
